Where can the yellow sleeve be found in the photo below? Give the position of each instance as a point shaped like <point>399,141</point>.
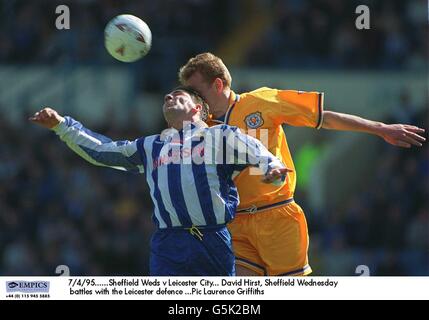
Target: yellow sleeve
<point>296,108</point>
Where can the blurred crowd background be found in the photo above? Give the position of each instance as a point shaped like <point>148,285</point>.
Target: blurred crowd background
<point>304,34</point>
<point>57,209</point>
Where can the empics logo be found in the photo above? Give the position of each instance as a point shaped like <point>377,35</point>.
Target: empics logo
<point>27,286</point>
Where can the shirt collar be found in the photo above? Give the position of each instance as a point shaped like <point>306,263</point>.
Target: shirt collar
<point>199,124</point>
<point>232,99</point>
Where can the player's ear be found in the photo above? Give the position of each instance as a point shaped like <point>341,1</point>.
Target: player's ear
<point>218,83</point>
<point>197,108</point>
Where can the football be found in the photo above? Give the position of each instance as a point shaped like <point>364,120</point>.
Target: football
<point>127,38</point>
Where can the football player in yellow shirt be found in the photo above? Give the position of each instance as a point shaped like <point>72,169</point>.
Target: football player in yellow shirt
<point>269,233</point>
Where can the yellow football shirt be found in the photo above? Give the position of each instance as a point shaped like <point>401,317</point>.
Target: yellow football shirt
<point>261,113</point>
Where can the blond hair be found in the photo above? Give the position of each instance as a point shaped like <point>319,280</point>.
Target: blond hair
<point>209,66</point>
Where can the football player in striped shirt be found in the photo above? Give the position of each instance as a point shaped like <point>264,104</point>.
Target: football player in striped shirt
<point>189,170</point>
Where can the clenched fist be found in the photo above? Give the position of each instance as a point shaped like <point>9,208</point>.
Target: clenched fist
<point>47,118</point>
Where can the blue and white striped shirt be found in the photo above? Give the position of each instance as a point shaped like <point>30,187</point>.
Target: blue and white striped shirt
<point>189,172</point>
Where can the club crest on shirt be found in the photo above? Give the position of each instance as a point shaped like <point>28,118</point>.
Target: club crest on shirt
<point>254,120</point>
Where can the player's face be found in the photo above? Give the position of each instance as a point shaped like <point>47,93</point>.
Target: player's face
<point>177,104</point>
<point>205,89</point>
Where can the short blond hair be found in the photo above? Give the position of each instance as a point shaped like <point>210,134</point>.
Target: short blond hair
<point>209,66</point>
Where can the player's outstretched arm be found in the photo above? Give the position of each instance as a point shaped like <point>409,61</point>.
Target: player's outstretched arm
<point>93,147</point>
<point>401,135</point>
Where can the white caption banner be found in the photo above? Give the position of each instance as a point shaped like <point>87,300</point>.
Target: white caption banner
<point>212,288</point>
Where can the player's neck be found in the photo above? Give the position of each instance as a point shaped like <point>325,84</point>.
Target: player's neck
<point>222,105</point>
<point>179,123</point>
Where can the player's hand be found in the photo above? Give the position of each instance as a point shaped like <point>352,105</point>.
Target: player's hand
<point>47,118</point>
<point>274,175</point>
<point>402,135</point>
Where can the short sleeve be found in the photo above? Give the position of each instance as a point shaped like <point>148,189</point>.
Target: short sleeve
<point>296,108</point>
